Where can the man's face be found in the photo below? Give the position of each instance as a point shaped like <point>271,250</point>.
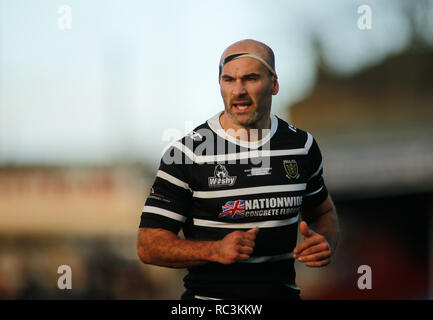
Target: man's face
<point>247,88</point>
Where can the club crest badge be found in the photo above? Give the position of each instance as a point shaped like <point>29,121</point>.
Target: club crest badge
<point>291,168</point>
<point>221,177</point>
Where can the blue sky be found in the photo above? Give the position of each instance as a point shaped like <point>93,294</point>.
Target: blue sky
<point>129,74</point>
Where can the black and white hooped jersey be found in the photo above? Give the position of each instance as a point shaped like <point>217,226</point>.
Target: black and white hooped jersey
<point>210,184</point>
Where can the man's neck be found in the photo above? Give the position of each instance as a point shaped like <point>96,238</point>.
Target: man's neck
<point>253,133</point>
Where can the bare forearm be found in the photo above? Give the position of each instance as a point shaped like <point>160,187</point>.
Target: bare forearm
<point>328,226</point>
<point>163,248</point>
<point>324,220</point>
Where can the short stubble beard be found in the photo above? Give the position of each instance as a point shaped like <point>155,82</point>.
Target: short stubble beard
<point>256,117</point>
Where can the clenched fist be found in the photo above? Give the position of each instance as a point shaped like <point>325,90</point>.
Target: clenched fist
<point>236,246</point>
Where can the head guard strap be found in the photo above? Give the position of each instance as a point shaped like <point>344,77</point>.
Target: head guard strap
<point>241,55</point>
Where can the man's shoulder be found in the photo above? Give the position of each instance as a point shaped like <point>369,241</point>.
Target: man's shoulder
<point>199,134</point>
<point>288,133</point>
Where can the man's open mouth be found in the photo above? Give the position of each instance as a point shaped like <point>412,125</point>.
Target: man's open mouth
<point>241,106</point>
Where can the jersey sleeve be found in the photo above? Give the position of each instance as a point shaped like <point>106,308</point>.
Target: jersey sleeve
<point>316,191</point>
<point>169,200</point>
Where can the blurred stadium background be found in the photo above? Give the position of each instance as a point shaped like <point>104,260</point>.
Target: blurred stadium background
<point>86,110</point>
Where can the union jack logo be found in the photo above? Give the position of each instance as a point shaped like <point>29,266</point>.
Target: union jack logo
<point>233,210</point>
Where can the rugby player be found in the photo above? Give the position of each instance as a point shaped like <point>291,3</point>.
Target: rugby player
<point>239,186</point>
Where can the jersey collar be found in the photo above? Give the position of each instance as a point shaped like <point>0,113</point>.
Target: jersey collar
<point>215,125</point>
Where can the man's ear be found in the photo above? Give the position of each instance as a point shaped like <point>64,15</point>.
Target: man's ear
<point>276,87</point>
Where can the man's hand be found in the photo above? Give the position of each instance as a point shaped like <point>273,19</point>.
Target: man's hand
<point>314,251</point>
<point>236,246</point>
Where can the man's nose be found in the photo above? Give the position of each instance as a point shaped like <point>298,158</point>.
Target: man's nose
<point>239,88</point>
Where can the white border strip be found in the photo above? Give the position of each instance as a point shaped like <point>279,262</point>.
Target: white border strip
<point>163,212</point>
<point>206,298</point>
<point>314,192</point>
<point>252,190</point>
<point>243,155</point>
<point>308,143</point>
<point>262,259</point>
<point>293,286</point>
<point>173,180</point>
<point>187,151</point>
<point>250,155</point>
<point>317,171</point>
<point>245,225</point>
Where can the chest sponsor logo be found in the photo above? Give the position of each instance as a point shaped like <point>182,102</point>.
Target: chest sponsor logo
<point>261,207</point>
<point>291,168</point>
<point>221,177</point>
